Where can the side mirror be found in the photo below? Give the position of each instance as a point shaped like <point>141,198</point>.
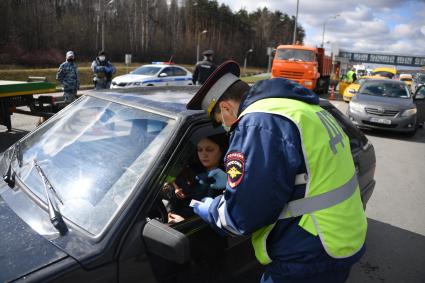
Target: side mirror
<point>166,242</point>
<point>163,75</point>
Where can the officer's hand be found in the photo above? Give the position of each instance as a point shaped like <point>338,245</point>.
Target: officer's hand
<point>202,208</point>
<point>220,179</point>
<point>108,70</point>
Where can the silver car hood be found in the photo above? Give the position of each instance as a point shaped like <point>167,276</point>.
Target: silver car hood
<point>390,103</point>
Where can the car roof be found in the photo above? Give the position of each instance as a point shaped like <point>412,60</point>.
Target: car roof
<point>172,99</point>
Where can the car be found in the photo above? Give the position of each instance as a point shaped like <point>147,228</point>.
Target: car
<point>384,104</point>
<point>419,98</point>
<point>155,74</point>
<point>408,79</point>
<point>351,89</point>
<point>81,195</point>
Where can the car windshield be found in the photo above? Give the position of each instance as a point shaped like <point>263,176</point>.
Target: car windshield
<point>385,88</point>
<point>295,55</point>
<point>146,70</point>
<point>93,154</point>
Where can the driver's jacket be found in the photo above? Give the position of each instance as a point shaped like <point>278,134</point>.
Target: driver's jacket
<point>268,149</point>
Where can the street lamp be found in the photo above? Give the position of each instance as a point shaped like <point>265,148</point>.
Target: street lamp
<point>197,45</point>
<point>102,11</point>
<point>246,56</point>
<point>324,27</point>
<point>295,26</point>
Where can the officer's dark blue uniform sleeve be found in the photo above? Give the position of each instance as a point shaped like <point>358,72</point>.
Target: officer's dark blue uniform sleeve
<point>262,162</point>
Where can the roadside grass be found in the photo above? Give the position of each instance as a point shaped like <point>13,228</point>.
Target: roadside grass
<point>19,73</point>
<point>256,78</point>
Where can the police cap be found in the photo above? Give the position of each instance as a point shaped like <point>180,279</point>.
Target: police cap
<point>215,86</point>
<point>208,52</point>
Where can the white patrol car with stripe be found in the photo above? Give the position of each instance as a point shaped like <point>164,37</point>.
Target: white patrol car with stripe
<point>155,74</point>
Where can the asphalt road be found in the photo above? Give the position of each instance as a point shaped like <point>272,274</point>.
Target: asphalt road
<point>396,211</point>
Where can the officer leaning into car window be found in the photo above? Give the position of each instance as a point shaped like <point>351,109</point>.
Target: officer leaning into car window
<point>290,178</point>
<point>204,68</point>
<point>103,71</point>
<point>68,76</point>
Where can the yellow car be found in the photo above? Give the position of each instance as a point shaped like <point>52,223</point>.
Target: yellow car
<point>353,88</point>
<point>408,79</point>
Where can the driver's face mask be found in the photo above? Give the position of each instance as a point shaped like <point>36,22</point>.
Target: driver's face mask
<point>225,127</point>
<point>102,58</point>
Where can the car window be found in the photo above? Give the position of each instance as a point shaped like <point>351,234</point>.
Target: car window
<point>93,154</point>
<point>420,92</point>
<point>168,71</point>
<point>178,71</point>
<point>146,70</point>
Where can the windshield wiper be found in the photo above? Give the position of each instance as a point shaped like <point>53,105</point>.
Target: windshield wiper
<point>8,177</point>
<point>54,213</point>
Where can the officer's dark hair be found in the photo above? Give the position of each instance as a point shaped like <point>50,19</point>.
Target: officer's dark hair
<point>235,92</point>
<point>101,52</point>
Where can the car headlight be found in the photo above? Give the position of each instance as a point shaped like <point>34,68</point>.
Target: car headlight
<point>356,107</point>
<point>408,112</point>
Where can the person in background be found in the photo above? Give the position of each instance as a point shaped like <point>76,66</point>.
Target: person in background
<point>68,76</point>
<point>204,68</point>
<point>193,181</point>
<point>103,71</point>
<point>291,178</point>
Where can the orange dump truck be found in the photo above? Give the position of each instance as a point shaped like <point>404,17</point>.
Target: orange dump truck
<point>305,65</point>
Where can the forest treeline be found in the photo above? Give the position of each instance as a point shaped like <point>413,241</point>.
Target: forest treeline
<point>39,32</point>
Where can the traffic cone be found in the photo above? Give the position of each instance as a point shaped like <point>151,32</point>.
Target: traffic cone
<point>332,97</point>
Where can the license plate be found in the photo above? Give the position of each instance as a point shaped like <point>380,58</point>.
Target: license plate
<point>381,121</point>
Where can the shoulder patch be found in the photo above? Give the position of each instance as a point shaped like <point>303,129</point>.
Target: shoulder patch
<point>235,166</point>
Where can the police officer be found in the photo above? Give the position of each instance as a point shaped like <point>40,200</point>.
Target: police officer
<point>68,76</point>
<point>103,71</point>
<point>290,178</point>
<point>204,68</point>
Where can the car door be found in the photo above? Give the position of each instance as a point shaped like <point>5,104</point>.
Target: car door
<point>213,257</point>
<point>168,78</point>
<point>181,77</point>
<point>419,99</point>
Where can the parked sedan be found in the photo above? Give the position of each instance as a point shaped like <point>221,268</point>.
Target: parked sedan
<point>156,74</point>
<point>384,104</point>
<point>81,198</point>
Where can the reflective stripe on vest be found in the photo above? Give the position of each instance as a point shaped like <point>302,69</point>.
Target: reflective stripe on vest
<point>331,207</point>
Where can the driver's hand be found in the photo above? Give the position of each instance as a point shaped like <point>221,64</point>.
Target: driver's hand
<point>174,218</point>
<point>179,192</point>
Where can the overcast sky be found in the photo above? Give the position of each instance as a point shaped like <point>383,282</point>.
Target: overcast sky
<point>384,26</point>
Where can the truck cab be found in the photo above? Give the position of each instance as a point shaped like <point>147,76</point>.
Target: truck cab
<point>308,66</point>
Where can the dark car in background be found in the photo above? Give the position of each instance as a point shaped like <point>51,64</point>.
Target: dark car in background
<point>81,196</point>
<point>385,104</point>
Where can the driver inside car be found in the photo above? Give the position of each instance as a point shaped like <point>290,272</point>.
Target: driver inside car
<point>197,180</point>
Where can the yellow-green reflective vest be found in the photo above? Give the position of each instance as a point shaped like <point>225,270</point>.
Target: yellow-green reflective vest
<point>350,76</point>
<point>332,206</point>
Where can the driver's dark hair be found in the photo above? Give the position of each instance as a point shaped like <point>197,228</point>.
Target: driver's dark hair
<point>235,92</point>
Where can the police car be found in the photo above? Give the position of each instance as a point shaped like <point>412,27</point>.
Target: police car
<point>155,74</point>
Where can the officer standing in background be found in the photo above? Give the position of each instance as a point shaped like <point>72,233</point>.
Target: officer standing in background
<point>290,178</point>
<point>103,71</point>
<point>68,76</point>
<point>204,68</point>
